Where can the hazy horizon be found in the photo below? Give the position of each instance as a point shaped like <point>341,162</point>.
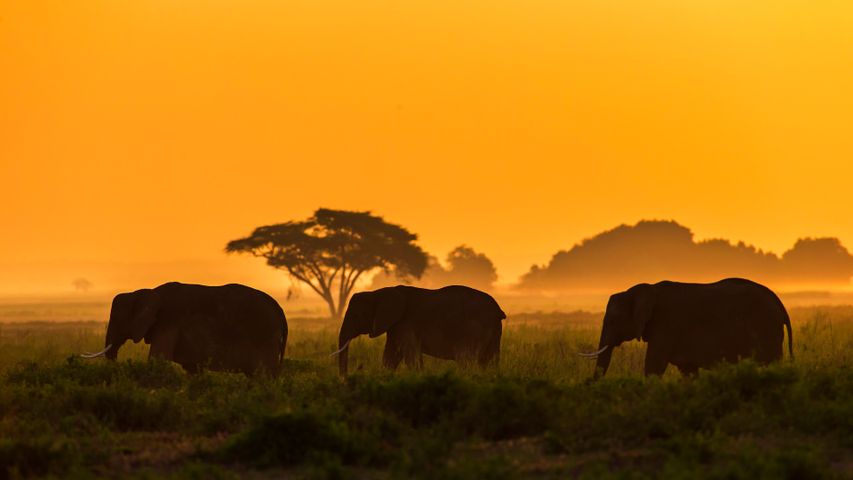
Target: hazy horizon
<point>54,279</point>
<point>136,139</point>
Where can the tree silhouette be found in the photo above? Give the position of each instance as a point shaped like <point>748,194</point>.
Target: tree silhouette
<point>818,260</point>
<point>82,284</point>
<point>465,266</point>
<point>332,249</point>
<point>472,268</point>
<point>655,250</point>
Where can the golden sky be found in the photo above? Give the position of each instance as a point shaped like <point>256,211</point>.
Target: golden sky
<point>138,137</point>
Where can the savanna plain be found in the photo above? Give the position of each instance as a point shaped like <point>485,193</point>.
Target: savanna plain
<point>538,415</point>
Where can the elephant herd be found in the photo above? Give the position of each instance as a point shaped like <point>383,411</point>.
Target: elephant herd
<point>237,328</point>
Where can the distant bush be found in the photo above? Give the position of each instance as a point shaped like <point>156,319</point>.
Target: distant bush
<point>465,266</point>
<point>653,250</point>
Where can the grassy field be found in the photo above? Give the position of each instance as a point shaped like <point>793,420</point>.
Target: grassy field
<point>537,416</point>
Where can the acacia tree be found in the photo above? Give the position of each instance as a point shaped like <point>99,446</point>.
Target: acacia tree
<point>470,267</point>
<point>82,284</point>
<point>332,249</point>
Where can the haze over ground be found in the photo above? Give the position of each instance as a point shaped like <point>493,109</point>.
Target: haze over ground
<point>136,138</point>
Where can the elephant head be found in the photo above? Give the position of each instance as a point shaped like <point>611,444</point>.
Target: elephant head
<point>371,313</point>
<point>131,317</point>
<point>625,319</point>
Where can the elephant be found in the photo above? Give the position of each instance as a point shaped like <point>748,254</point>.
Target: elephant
<point>693,325</point>
<point>228,328</point>
<point>452,323</point>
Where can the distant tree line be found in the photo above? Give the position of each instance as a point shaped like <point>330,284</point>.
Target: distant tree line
<point>656,250</point>
<point>465,266</point>
<point>334,250</point>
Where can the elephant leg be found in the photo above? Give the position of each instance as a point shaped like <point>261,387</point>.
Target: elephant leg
<point>656,360</point>
<point>412,354</point>
<point>163,343</point>
<point>489,358</point>
<point>490,354</point>
<point>392,356</point>
<point>411,360</point>
<point>404,346</point>
<point>768,352</point>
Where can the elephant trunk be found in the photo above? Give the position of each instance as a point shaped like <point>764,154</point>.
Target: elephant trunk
<point>602,363</point>
<point>114,341</point>
<point>350,329</point>
<point>343,356</point>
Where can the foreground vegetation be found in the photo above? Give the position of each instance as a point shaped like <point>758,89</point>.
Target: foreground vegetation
<point>538,416</point>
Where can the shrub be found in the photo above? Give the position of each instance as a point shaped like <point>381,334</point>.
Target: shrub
<point>35,457</point>
<point>293,438</point>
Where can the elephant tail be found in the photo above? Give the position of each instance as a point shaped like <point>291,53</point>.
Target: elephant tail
<point>790,337</point>
<point>787,322</point>
<point>283,344</point>
<point>284,330</point>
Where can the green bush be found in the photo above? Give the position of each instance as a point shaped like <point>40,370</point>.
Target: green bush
<point>537,416</point>
<point>35,457</point>
<point>293,438</point>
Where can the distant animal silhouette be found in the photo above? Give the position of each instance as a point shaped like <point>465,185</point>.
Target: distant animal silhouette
<point>231,327</point>
<point>453,323</point>
<point>694,325</point>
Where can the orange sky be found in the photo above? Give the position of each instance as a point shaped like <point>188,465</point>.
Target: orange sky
<point>137,138</point>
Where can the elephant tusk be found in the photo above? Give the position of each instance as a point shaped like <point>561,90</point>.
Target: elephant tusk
<point>95,355</point>
<point>593,354</point>
<point>341,349</point>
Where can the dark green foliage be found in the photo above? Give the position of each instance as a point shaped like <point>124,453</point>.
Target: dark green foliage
<point>194,470</point>
<point>722,457</point>
<point>63,417</point>
<point>737,421</point>
<point>158,374</point>
<point>493,468</point>
<point>511,408</point>
<point>418,400</point>
<point>35,457</point>
<point>292,438</point>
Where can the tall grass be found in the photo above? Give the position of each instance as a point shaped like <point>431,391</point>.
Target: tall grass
<point>537,415</point>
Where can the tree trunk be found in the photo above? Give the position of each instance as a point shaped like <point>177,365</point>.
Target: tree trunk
<point>334,312</point>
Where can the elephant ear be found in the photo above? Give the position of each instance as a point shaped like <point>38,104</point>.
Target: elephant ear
<point>644,306</point>
<point>145,308</point>
<point>390,305</point>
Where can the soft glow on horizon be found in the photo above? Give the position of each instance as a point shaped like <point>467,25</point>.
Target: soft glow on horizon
<point>145,135</point>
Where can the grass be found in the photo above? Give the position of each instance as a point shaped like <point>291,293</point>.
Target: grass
<point>538,416</point>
